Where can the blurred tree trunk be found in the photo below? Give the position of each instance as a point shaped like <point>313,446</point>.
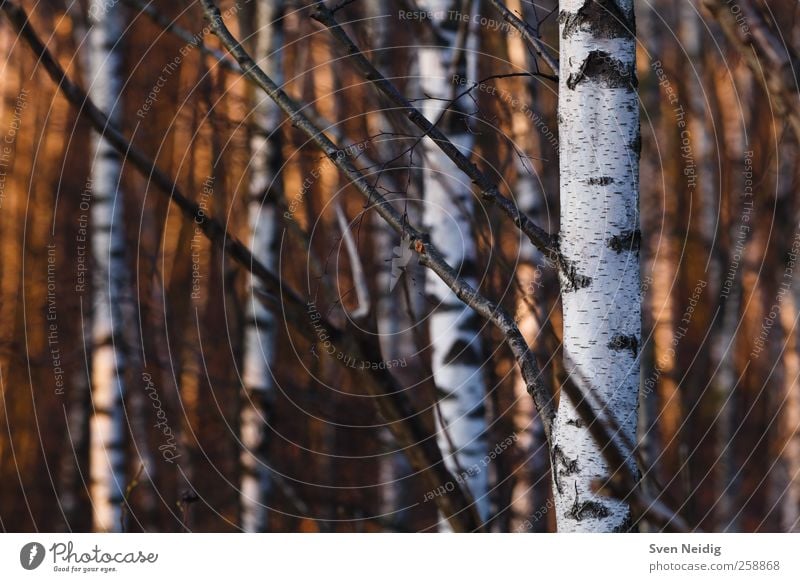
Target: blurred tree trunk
<point>264,25</point>
<point>394,272</point>
<point>529,493</point>
<point>75,455</point>
<point>698,278</point>
<point>111,276</point>
<point>782,503</point>
<point>789,441</point>
<point>599,164</point>
<point>447,216</point>
<point>734,90</point>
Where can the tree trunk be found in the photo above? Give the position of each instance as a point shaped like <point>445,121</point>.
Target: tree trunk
<point>259,349</point>
<point>75,455</point>
<point>599,164</point>
<point>447,213</point>
<point>734,89</point>
<point>790,419</point>
<point>111,277</point>
<point>395,274</point>
<point>530,492</point>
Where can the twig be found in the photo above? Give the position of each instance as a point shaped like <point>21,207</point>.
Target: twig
<point>543,240</point>
<point>194,40</point>
<point>126,498</point>
<point>528,34</point>
<point>406,425</point>
<point>169,25</point>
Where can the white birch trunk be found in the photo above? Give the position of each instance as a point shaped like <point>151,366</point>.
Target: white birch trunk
<point>396,340</point>
<point>259,342</point>
<point>447,213</point>
<point>109,360</point>
<point>599,161</point>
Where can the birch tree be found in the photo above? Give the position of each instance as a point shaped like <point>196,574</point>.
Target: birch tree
<point>395,279</point>
<point>531,476</point>
<point>109,360</point>
<point>599,240</point>
<point>259,341</point>
<point>454,328</point>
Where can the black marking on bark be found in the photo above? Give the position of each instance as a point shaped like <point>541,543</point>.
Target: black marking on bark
<point>442,394</point>
<point>572,280</point>
<point>259,323</point>
<point>601,181</point>
<point>587,510</point>
<point>629,240</point>
<point>627,525</point>
<point>581,510</point>
<point>564,466</point>
<point>601,67</point>
<point>576,422</point>
<point>262,398</point>
<point>636,144</point>
<point>473,322</point>
<point>601,18</point>
<point>464,353</point>
<point>625,342</point>
<point>478,412</point>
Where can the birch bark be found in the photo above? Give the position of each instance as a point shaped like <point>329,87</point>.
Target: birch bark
<point>599,162</point>
<point>111,277</point>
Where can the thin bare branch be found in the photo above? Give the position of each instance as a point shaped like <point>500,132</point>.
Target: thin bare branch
<point>195,40</point>
<point>620,453</point>
<point>429,255</point>
<point>489,191</point>
<point>771,59</point>
<point>335,131</point>
<point>404,421</point>
<point>528,34</point>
